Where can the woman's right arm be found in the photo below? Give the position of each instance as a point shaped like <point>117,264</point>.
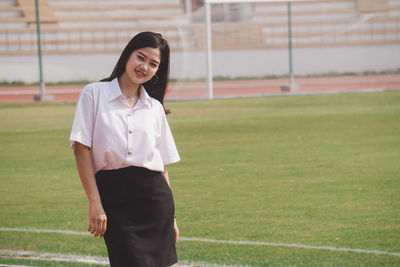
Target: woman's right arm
<point>97,216</point>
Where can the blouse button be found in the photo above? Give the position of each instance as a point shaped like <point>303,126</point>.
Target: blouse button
<point>130,131</point>
<point>129,152</point>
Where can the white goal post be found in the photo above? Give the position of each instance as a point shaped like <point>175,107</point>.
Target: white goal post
<point>207,8</point>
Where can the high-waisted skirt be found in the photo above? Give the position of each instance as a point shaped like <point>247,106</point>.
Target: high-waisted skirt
<point>140,217</point>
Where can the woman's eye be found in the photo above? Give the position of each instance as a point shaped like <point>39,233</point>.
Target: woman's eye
<point>140,57</point>
<point>154,65</point>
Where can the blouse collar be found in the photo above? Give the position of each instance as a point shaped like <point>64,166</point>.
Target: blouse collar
<point>115,91</point>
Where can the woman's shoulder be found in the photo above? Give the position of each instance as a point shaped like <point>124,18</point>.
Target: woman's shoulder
<point>95,88</point>
<point>156,105</point>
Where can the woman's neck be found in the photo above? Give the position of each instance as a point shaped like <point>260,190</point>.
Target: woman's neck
<point>128,89</point>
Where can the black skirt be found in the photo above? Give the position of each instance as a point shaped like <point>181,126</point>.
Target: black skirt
<point>140,217</point>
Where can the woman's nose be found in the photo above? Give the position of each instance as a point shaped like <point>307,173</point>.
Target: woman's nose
<point>144,66</point>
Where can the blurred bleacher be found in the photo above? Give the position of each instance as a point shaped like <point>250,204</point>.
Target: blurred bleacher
<point>85,26</point>
<point>102,26</point>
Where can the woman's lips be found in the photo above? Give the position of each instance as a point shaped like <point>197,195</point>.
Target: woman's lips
<point>139,74</point>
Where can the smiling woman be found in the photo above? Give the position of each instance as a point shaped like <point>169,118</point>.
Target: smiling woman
<point>122,144</point>
<point>147,56</point>
<point>141,67</point>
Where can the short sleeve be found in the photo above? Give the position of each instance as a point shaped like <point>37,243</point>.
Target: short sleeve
<point>166,144</point>
<point>82,127</point>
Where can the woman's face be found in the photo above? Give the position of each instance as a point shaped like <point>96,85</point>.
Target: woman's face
<point>143,64</point>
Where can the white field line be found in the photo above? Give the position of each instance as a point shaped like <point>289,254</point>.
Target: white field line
<point>260,243</point>
<point>21,254</point>
<point>232,242</point>
<point>33,255</point>
<point>33,230</point>
<point>6,265</point>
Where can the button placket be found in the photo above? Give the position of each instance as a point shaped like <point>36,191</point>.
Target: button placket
<point>129,118</point>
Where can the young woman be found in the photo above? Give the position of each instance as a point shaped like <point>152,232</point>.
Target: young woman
<point>122,144</point>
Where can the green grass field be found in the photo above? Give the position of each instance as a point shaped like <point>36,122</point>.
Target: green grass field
<point>315,170</point>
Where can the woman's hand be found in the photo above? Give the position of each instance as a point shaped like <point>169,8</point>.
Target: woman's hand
<point>97,216</point>
<point>176,231</point>
<point>97,220</point>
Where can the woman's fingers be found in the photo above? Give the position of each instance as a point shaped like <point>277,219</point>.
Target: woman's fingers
<point>176,237</point>
<point>97,230</point>
<point>103,228</point>
<point>176,230</point>
<point>100,226</point>
<point>97,220</point>
<point>92,227</point>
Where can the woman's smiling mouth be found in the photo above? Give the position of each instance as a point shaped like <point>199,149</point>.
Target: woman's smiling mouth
<point>139,74</point>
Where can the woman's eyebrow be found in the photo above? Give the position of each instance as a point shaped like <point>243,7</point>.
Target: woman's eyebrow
<point>153,60</point>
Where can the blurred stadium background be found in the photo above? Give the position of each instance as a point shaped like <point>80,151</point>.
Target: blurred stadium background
<point>82,39</point>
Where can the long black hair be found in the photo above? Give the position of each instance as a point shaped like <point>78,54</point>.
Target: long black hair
<point>157,87</point>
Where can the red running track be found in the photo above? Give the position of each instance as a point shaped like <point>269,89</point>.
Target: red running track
<point>196,90</point>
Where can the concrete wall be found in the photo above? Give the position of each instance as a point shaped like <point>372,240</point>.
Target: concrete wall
<point>191,65</point>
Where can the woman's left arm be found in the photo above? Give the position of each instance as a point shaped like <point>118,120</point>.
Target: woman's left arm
<point>165,173</point>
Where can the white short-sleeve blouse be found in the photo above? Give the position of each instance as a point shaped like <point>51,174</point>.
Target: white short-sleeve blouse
<point>118,135</point>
